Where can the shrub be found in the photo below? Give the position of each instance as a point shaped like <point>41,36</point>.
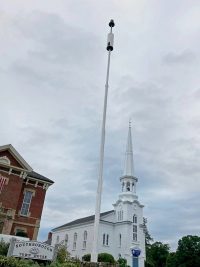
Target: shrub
<point>3,248</point>
<point>86,257</point>
<point>106,257</point>
<point>62,254</point>
<point>122,262</point>
<point>102,257</point>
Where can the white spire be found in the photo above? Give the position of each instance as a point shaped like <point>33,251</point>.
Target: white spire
<point>128,166</point>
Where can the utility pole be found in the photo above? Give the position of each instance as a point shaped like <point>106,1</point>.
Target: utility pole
<point>94,253</point>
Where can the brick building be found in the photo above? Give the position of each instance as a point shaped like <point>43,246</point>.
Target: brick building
<point>22,194</point>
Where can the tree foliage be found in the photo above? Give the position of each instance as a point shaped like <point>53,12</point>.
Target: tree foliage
<point>188,251</point>
<point>157,254</point>
<point>86,257</point>
<point>122,262</point>
<point>62,254</point>
<point>148,238</point>
<point>105,257</point>
<point>172,260</point>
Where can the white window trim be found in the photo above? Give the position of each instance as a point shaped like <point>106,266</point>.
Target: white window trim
<point>29,204</point>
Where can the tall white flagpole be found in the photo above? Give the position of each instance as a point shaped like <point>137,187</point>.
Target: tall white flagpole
<point>94,253</point>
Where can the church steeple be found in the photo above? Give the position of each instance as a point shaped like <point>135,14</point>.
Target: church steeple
<point>128,166</point>
<point>128,180</point>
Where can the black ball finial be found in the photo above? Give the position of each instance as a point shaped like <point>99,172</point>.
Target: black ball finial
<point>111,23</point>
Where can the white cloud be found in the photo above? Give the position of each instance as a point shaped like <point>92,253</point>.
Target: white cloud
<point>52,76</point>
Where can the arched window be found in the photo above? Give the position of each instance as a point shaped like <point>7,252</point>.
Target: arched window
<point>134,227</point>
<point>66,239</point>
<point>104,239</point>
<point>128,186</point>
<point>75,237</point>
<point>85,235</point>
<point>120,240</point>
<point>107,240</point>
<point>134,218</point>
<point>123,187</point>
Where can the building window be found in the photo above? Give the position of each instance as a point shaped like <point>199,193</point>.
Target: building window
<point>26,203</point>
<point>21,232</point>
<point>120,240</point>
<point>134,227</point>
<point>128,186</point>
<point>85,235</point>
<point>66,239</point>
<point>75,237</point>
<point>134,236</point>
<point>74,245</point>
<point>107,240</point>
<point>134,218</point>
<point>104,239</point>
<point>84,244</point>
<point>57,239</point>
<point>84,239</point>
<point>120,215</point>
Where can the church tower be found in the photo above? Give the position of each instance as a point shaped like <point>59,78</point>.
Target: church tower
<point>129,211</point>
<point>128,180</point>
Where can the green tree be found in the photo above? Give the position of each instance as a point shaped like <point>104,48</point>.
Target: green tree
<point>122,262</point>
<point>172,260</point>
<point>62,254</point>
<point>148,238</point>
<point>188,251</point>
<point>157,254</point>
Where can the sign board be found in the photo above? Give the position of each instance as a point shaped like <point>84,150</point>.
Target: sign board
<point>136,252</point>
<point>31,250</point>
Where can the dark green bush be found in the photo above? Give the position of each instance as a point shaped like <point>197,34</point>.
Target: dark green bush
<point>105,257</point>
<point>3,248</point>
<point>122,262</point>
<point>86,257</point>
<point>102,257</point>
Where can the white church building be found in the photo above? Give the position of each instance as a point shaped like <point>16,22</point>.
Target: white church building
<point>120,229</point>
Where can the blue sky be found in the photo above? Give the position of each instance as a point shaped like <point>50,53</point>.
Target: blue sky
<point>52,73</point>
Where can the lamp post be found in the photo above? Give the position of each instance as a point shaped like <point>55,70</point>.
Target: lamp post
<point>94,253</point>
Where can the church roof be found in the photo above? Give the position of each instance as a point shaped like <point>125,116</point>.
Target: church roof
<point>128,166</point>
<point>82,220</point>
<point>39,177</point>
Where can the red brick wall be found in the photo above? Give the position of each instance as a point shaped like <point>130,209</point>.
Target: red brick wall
<point>35,210</point>
<point>11,192</point>
<point>13,161</point>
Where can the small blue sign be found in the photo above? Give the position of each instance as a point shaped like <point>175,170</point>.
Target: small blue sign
<point>136,252</point>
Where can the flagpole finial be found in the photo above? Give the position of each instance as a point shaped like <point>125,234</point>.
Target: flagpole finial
<point>111,23</point>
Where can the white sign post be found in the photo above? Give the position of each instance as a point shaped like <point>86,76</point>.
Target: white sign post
<point>31,250</point>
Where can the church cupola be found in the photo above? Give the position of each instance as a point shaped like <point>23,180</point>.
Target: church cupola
<point>128,180</point>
